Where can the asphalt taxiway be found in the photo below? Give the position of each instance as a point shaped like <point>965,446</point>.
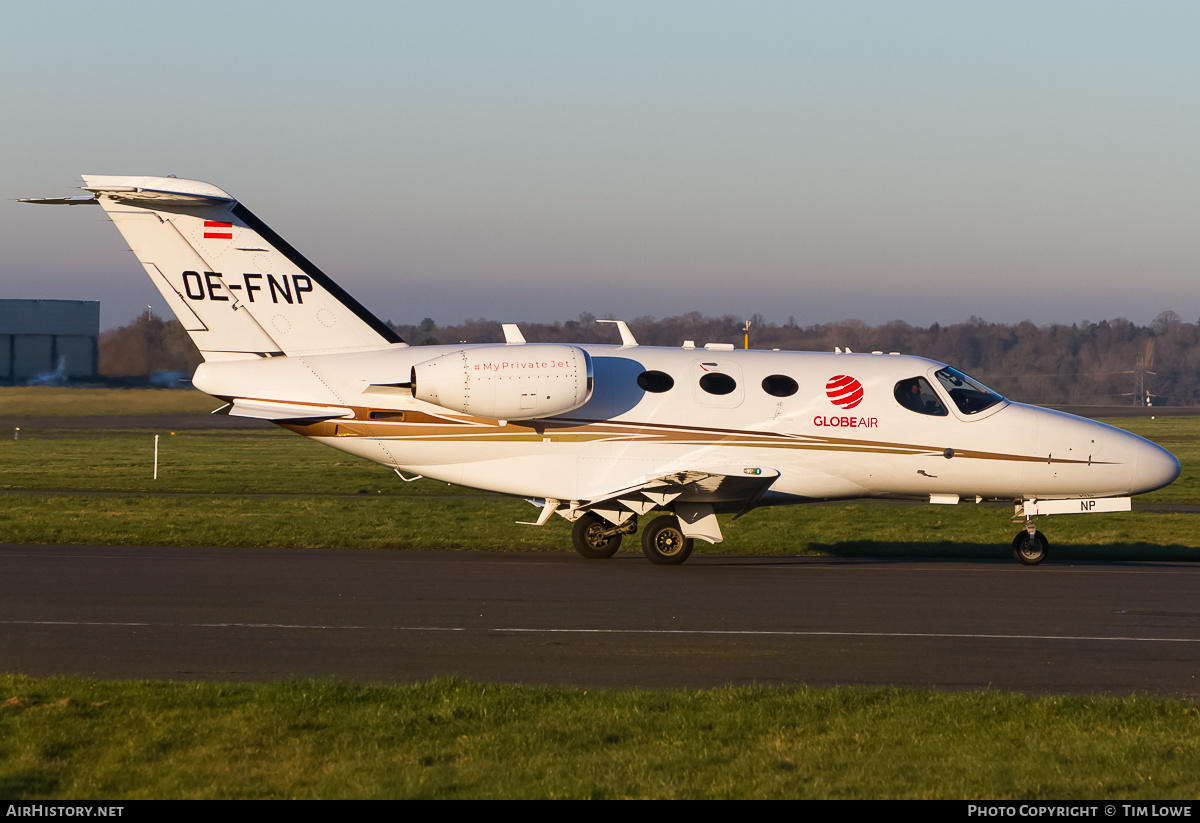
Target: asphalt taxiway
<point>397,616</point>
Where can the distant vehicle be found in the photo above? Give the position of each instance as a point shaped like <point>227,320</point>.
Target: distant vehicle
<point>58,377</point>
<point>603,435</point>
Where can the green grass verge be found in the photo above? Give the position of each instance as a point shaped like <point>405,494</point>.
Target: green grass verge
<point>50,401</point>
<point>83,739</point>
<point>204,462</point>
<point>471,523</point>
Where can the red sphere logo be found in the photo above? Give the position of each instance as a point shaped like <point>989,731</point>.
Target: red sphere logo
<point>844,391</point>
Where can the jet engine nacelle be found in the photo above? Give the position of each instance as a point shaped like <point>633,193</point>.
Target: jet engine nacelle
<point>507,382</point>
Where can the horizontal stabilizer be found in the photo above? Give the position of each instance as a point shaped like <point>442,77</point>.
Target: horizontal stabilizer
<point>60,201</point>
<point>270,410</point>
<point>154,189</point>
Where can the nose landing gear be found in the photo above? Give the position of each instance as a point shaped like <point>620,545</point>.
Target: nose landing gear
<point>1030,546</point>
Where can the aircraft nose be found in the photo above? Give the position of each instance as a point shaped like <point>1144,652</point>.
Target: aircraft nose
<point>1156,467</point>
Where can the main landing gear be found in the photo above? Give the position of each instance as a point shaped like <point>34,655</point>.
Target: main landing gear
<point>663,542</point>
<point>596,539</point>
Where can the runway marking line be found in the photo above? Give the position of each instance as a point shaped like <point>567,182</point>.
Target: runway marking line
<point>708,632</point>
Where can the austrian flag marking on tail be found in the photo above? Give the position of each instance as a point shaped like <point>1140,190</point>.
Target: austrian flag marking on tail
<point>216,230</point>
<point>844,391</point>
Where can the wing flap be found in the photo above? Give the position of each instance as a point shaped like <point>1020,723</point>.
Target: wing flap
<point>726,487</point>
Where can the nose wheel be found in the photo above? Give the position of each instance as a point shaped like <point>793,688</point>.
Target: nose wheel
<point>1030,547</point>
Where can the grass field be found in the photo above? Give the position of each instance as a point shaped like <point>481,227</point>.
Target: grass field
<point>50,401</point>
<point>211,484</point>
<point>78,739</point>
<point>82,739</point>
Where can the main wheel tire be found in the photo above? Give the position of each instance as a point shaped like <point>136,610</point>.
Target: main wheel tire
<point>587,536</point>
<point>1028,549</point>
<point>663,542</point>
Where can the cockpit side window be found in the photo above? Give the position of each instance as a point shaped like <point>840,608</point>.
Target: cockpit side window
<point>970,396</point>
<point>915,394</point>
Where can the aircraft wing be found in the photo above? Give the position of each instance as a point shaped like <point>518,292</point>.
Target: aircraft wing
<point>278,411</point>
<point>716,486</point>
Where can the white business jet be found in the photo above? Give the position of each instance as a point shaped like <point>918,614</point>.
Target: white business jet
<point>603,435</point>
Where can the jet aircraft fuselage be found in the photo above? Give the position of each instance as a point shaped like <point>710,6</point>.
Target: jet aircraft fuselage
<point>774,412</point>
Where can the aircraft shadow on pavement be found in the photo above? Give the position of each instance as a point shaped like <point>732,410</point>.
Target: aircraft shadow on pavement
<point>1125,552</point>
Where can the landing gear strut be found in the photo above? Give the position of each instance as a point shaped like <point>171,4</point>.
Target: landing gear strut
<point>597,539</point>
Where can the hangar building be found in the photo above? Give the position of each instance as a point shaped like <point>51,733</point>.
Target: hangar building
<point>35,334</point>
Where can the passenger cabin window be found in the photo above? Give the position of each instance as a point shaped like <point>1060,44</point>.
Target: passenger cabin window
<point>970,396</point>
<point>915,394</point>
<point>718,383</point>
<point>655,381</point>
<point>779,385</point>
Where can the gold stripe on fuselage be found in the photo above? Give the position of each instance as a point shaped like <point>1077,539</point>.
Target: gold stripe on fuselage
<point>398,427</point>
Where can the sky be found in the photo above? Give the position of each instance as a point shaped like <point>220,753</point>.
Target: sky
<point>531,161</point>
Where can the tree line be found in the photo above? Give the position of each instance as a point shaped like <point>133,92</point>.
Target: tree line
<point>1106,362</point>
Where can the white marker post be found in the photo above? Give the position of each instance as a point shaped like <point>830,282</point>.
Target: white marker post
<point>156,457</point>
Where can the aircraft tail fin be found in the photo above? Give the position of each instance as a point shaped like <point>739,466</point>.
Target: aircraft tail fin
<point>238,288</point>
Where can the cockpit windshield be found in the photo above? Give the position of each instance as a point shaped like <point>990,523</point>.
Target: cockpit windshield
<point>970,396</point>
